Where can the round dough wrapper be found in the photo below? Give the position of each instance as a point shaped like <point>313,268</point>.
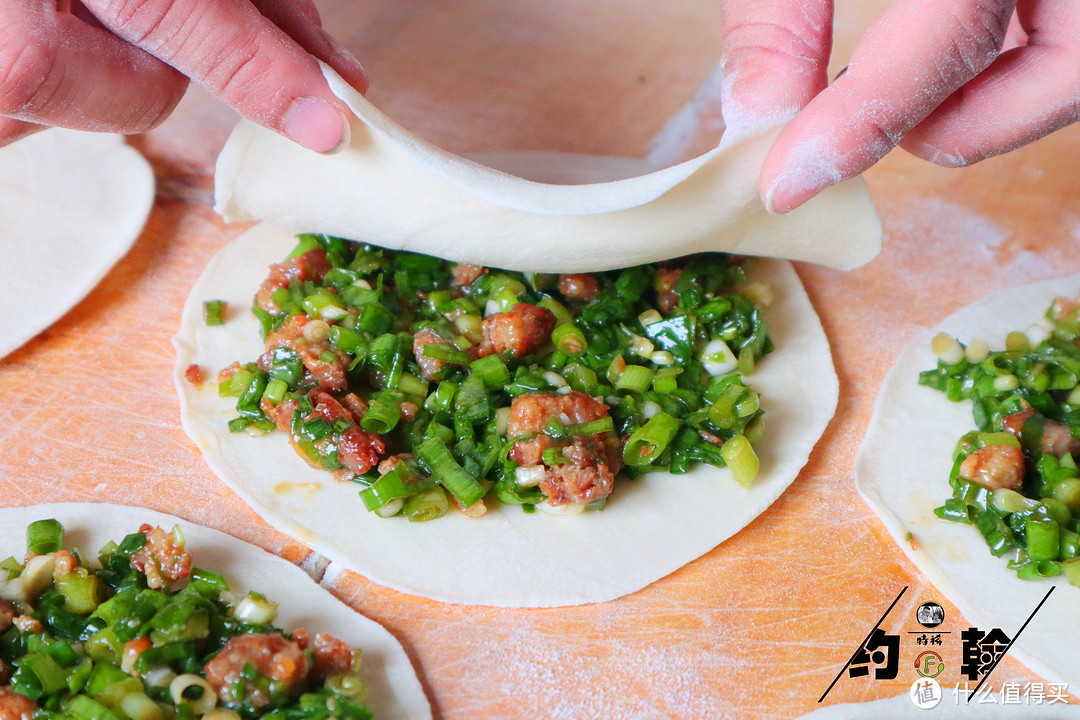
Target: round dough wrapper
<point>394,690</point>
<point>411,195</point>
<point>951,707</point>
<point>651,526</point>
<point>902,472</point>
<point>72,204</point>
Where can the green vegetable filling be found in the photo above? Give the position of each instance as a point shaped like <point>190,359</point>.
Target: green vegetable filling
<point>111,642</point>
<point>373,353</point>
<point>1015,477</point>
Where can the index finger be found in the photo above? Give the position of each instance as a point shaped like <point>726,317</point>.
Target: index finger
<point>914,57</point>
<point>1028,92</point>
<point>240,56</point>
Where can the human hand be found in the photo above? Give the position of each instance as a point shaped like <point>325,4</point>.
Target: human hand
<point>123,65</point>
<point>947,81</point>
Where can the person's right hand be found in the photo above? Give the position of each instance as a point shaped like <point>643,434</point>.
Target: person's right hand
<point>123,65</point>
<point>930,76</point>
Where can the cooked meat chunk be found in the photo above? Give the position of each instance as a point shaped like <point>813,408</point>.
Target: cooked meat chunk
<point>1056,439</point>
<point>522,330</point>
<point>281,413</point>
<point>65,563</point>
<point>7,614</point>
<point>194,374</point>
<point>1014,424</point>
<point>359,450</point>
<point>591,460</point>
<point>529,413</point>
<point>28,624</point>
<point>391,461</point>
<point>328,408</point>
<point>465,274</point>
<point>131,652</point>
<point>354,404</point>
<point>324,404</point>
<point>590,476</point>
<point>330,375</point>
<point>583,286</point>
<point>161,558</point>
<point>17,707</point>
<point>429,366</point>
<point>531,452</point>
<point>667,299</point>
<point>272,656</point>
<point>312,265</point>
<point>331,655</point>
<point>995,466</point>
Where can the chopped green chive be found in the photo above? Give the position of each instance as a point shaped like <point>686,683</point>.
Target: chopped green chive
<point>455,399</point>
<point>214,312</point>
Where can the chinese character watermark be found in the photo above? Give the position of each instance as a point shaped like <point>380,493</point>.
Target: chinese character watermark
<point>925,693</point>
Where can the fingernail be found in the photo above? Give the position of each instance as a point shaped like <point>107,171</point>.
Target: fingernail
<point>939,157</point>
<point>316,125</point>
<point>795,187</point>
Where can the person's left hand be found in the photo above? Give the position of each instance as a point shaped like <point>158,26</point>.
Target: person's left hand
<point>123,65</point>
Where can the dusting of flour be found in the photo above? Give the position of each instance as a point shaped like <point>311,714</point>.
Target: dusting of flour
<point>933,241</point>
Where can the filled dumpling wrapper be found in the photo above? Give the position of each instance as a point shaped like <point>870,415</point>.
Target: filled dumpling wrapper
<point>903,470</point>
<point>393,690</point>
<point>533,212</point>
<point>652,526</point>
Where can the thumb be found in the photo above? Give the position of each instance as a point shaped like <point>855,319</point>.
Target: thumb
<point>12,130</point>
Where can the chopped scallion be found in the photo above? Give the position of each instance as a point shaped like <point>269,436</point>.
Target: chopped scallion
<point>739,455</point>
<point>214,312</point>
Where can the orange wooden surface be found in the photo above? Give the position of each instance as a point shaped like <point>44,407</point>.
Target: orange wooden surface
<point>760,626</point>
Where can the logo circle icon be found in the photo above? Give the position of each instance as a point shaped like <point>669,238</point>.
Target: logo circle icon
<point>930,615</point>
<point>925,693</point>
<point>929,664</point>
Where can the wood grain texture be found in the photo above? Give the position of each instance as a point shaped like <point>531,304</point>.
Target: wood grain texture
<point>760,626</point>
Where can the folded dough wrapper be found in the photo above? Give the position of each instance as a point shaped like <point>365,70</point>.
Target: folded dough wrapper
<point>394,189</point>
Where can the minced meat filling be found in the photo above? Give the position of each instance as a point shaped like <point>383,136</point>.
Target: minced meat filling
<point>146,635</point>
<point>535,389</point>
<point>586,464</point>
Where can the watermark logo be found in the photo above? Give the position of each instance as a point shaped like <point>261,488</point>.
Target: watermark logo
<point>929,664</point>
<point>982,651</point>
<point>1014,693</point>
<point>883,650</point>
<point>878,647</point>
<point>925,693</point>
<point>930,615</point>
